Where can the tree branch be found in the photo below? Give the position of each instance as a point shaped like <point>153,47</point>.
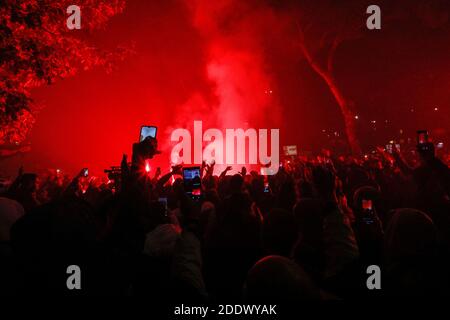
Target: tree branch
<point>306,53</point>
<point>331,54</point>
<point>8,151</point>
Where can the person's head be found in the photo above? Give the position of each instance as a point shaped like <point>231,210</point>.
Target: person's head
<point>160,242</point>
<point>29,182</point>
<point>257,187</point>
<point>324,180</point>
<point>212,195</point>
<point>280,232</point>
<point>178,186</point>
<point>305,189</point>
<point>223,187</point>
<point>10,212</point>
<point>411,255</point>
<point>65,226</point>
<point>276,278</point>
<point>287,196</point>
<point>207,217</point>
<point>210,183</point>
<point>309,219</point>
<point>236,183</point>
<point>410,235</point>
<point>426,151</point>
<point>151,215</point>
<point>356,177</point>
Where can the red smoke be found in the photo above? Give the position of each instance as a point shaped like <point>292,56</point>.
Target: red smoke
<point>242,93</point>
<point>235,64</point>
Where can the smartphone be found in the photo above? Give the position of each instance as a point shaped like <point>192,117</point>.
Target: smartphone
<point>266,187</point>
<point>366,204</point>
<point>439,145</point>
<point>85,172</point>
<point>147,131</point>
<point>422,136</point>
<point>192,182</point>
<point>368,213</point>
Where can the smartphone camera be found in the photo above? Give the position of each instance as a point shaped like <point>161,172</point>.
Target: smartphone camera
<point>85,172</point>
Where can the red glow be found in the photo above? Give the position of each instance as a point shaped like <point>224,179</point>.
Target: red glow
<point>231,64</point>
<point>148,168</point>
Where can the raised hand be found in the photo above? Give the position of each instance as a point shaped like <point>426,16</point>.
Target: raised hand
<point>177,169</point>
<point>224,172</point>
<point>202,168</point>
<point>381,151</point>
<point>80,174</point>
<point>210,167</point>
<point>157,173</point>
<point>243,171</point>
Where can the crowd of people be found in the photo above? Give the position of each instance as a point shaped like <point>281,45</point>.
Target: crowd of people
<point>308,232</point>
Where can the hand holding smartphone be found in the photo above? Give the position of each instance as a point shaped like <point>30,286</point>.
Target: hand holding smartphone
<point>424,145</point>
<point>146,148</point>
<point>422,136</point>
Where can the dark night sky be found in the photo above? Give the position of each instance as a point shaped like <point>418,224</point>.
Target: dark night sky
<point>90,119</point>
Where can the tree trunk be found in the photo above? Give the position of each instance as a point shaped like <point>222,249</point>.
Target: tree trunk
<point>345,105</point>
<point>346,110</point>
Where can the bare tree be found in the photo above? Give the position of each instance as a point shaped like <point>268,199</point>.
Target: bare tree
<point>323,25</point>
